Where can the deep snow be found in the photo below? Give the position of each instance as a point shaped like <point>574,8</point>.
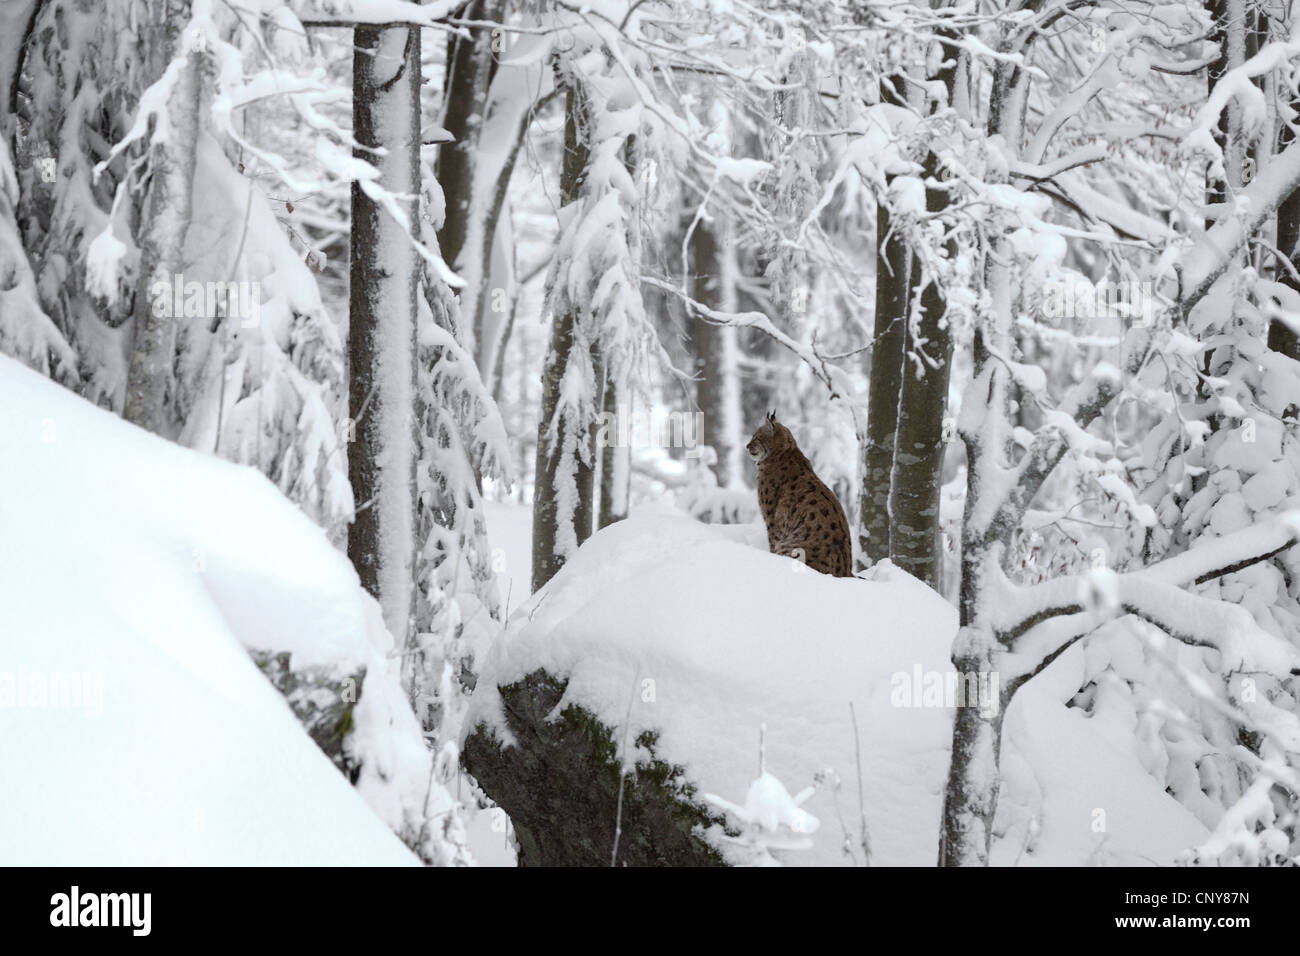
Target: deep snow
<point>140,572</point>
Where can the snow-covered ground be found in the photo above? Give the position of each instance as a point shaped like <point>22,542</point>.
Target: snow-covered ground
<point>510,531</point>
<point>732,639</point>
<point>134,577</point>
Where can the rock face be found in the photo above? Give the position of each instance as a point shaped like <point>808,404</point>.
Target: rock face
<point>560,786</point>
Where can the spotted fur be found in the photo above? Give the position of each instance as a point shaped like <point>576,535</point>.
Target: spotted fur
<point>804,518</point>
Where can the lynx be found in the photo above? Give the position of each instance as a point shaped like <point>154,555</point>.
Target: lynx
<point>803,517</point>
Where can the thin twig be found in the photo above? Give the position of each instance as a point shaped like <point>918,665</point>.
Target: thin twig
<point>622,775</point>
<point>862,808</point>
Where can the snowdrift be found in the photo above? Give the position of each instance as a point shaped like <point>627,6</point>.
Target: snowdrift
<point>673,643</point>
<point>135,579</point>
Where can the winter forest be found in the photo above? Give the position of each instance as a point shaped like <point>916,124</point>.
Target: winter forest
<point>437,409</point>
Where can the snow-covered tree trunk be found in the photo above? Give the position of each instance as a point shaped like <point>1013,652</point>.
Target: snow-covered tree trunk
<point>893,297</point>
<point>162,243</point>
<point>473,182</point>
<point>615,457</point>
<point>1281,336</point>
<point>988,522</point>
<point>488,110</point>
<point>17,18</point>
<point>717,386</point>
<point>971,794</point>
<point>384,277</point>
<point>615,461</point>
<point>922,403</point>
<point>970,797</point>
<point>465,92</point>
<point>564,476</point>
<point>1229,33</point>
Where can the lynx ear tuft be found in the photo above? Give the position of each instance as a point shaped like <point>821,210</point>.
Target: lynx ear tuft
<point>771,416</point>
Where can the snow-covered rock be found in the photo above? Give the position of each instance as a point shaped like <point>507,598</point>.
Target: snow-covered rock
<point>675,642</point>
<point>135,579</point>
<point>702,639</point>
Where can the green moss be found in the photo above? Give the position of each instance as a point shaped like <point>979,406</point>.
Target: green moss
<point>560,786</point>
<point>345,724</point>
<point>316,699</point>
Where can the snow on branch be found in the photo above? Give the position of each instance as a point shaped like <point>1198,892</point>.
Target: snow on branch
<point>1092,205</point>
<point>1239,84</point>
<point>1229,553</point>
<point>1201,266</point>
<point>1158,595</point>
<point>1060,432</point>
<point>345,13</point>
<point>834,380</point>
<point>457,384</point>
<point>1209,257</point>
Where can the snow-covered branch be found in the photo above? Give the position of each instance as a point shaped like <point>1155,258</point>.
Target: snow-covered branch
<point>1210,256</point>
<point>834,380</point>
<point>1158,595</point>
<point>378,13</point>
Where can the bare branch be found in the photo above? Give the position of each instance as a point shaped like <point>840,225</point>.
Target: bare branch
<point>830,376</point>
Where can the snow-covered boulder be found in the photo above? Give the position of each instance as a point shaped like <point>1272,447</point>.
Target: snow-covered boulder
<point>138,582</point>
<point>682,641</point>
<point>668,644</point>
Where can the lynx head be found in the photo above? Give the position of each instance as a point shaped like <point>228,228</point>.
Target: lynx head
<point>772,437</point>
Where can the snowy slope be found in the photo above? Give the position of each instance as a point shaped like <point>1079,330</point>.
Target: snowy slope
<point>734,638</point>
<point>133,575</point>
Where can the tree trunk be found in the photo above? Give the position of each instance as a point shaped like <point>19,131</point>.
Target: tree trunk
<point>971,794</point>
<point>162,246</point>
<point>615,463</point>
<point>616,458</point>
<point>717,388</point>
<point>917,473</point>
<point>1229,32</point>
<point>488,111</point>
<point>893,299</point>
<point>1282,337</point>
<point>384,281</point>
<point>564,477</point>
<point>922,400</point>
<point>1231,39</point>
<point>464,243</point>
<point>469,63</point>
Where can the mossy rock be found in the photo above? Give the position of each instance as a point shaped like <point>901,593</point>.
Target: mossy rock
<point>560,786</point>
<point>321,701</point>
